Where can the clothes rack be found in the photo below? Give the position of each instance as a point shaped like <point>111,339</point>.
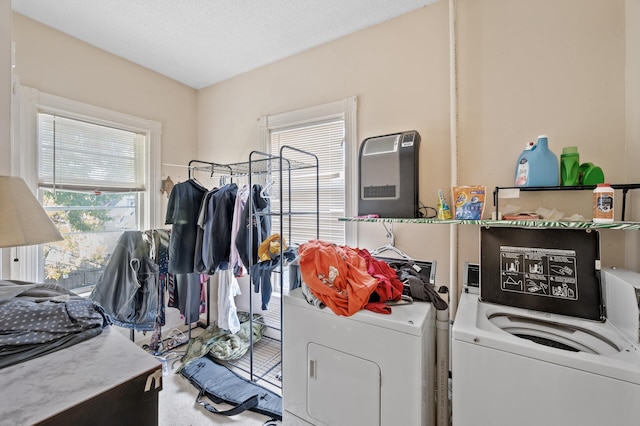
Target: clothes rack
<point>213,168</point>
<point>233,172</point>
<point>286,164</point>
<point>265,167</point>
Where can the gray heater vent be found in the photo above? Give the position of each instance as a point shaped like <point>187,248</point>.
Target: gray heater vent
<point>388,175</point>
<point>384,191</point>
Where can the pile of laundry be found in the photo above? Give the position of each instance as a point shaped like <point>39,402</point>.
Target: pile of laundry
<point>348,279</point>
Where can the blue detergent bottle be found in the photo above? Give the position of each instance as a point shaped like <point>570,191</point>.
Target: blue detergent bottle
<point>537,165</point>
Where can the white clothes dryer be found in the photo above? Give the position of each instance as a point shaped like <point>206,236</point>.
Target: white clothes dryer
<point>514,366</point>
<point>362,370</point>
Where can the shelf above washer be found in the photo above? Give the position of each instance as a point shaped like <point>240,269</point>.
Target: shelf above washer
<point>625,187</point>
<point>538,223</point>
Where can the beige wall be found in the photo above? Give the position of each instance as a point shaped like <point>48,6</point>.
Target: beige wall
<point>399,71</point>
<point>544,67</point>
<point>55,63</point>
<point>525,68</point>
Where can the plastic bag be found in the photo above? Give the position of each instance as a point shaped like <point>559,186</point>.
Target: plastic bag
<point>469,202</point>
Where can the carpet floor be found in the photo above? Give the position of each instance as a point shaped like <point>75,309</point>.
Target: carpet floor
<point>177,400</point>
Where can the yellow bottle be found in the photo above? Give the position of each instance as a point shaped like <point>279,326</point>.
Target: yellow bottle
<point>443,210</point>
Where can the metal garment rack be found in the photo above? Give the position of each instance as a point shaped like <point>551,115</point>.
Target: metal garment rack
<point>286,164</point>
<point>263,165</point>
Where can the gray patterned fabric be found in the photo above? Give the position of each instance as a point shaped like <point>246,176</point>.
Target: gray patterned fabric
<point>36,319</point>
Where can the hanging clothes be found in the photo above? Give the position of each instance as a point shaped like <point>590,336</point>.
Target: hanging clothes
<point>216,227</point>
<point>127,289</point>
<point>184,206</point>
<point>188,295</point>
<point>159,240</point>
<point>198,261</point>
<point>257,217</point>
<point>172,293</point>
<point>235,262</point>
<point>261,274</point>
<point>204,279</point>
<point>228,289</point>
<point>215,224</point>
<point>182,214</point>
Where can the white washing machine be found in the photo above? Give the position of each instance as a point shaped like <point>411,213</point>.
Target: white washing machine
<point>367,369</point>
<point>513,365</point>
<point>500,379</point>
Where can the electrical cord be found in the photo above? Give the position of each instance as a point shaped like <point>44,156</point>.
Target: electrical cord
<point>424,211</point>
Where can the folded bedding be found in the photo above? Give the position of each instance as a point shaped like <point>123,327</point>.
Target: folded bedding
<point>38,318</point>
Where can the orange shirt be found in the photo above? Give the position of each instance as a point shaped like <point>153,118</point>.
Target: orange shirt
<point>337,275</point>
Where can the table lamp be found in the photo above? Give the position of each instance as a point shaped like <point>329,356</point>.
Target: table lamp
<point>23,221</point>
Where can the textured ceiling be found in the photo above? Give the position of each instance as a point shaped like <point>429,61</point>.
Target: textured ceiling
<point>202,42</point>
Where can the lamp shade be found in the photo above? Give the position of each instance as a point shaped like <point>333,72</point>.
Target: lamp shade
<point>23,221</point>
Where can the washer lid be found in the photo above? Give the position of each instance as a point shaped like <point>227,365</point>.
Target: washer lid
<point>548,270</point>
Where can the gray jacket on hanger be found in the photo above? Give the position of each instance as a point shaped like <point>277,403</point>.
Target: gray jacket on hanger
<point>128,286</point>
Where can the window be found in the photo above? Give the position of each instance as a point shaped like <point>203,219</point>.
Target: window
<point>96,174</point>
<point>327,131</point>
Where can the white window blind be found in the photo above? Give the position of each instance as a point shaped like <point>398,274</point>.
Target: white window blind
<point>325,140</point>
<point>76,155</point>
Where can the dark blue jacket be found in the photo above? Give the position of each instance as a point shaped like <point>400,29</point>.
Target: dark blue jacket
<point>216,240</point>
<point>182,214</point>
<point>256,214</point>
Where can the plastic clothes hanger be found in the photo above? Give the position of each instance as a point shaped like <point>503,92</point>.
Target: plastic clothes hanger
<point>267,187</point>
<point>191,176</point>
<point>390,245</point>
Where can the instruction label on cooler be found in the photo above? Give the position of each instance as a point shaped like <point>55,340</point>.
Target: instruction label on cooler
<point>539,271</point>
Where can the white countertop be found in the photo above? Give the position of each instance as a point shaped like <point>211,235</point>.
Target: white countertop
<point>37,389</point>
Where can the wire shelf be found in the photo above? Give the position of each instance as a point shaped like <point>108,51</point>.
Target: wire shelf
<point>266,362</point>
<point>259,166</point>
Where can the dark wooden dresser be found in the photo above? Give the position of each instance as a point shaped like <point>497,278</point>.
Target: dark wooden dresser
<point>106,380</point>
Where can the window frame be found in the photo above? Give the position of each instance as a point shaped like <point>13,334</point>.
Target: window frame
<point>345,109</point>
<point>28,103</point>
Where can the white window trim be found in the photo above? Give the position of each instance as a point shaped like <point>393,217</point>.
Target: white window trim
<point>345,109</point>
<point>30,101</point>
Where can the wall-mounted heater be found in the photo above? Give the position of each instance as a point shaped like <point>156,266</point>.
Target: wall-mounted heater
<point>388,175</point>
